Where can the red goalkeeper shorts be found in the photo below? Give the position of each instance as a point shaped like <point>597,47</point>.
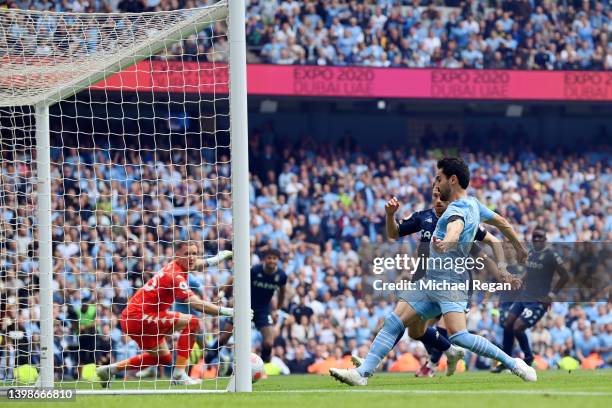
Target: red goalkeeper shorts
<point>148,330</point>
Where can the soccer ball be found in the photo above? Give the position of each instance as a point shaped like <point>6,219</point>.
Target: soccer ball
<point>257,367</point>
<point>27,374</point>
<point>257,371</point>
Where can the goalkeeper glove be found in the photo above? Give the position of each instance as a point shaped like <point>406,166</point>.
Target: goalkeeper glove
<point>221,256</point>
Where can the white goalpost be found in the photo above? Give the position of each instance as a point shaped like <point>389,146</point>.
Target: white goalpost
<point>120,134</point>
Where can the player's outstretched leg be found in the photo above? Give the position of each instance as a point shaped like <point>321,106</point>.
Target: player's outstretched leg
<point>358,361</point>
<point>268,333</point>
<point>184,345</point>
<point>508,340</point>
<point>382,344</point>
<point>520,326</point>
<point>455,323</point>
<point>144,360</point>
<point>484,347</point>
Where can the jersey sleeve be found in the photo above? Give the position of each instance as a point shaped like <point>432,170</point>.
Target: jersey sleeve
<point>485,213</point>
<point>453,211</point>
<point>410,225</point>
<point>283,280</point>
<point>481,233</point>
<point>556,259</point>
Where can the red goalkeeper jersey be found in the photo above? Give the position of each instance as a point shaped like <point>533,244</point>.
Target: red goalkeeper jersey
<point>161,291</point>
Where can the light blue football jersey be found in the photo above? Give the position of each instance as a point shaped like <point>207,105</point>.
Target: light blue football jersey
<point>473,212</point>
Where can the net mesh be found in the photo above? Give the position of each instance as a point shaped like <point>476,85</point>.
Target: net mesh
<point>139,161</point>
<point>49,55</point>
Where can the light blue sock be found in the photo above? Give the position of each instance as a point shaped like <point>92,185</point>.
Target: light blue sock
<point>382,344</point>
<point>481,346</point>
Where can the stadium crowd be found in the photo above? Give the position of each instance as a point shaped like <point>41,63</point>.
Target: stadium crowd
<point>116,214</point>
<point>522,34</point>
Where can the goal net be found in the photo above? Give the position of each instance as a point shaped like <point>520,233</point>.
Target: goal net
<point>118,139</point>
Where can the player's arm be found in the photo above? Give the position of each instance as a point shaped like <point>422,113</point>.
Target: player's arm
<point>498,269</point>
<point>392,226</point>
<point>282,294</point>
<point>493,242</point>
<point>563,276</point>
<point>183,293</point>
<point>454,228</point>
<point>488,264</point>
<point>207,307</point>
<point>410,225</point>
<point>502,224</point>
<point>215,260</point>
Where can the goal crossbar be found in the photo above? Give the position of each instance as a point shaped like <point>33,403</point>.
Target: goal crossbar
<point>96,69</point>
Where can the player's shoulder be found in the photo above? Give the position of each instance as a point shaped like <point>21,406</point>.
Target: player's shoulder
<point>471,201</point>
<point>428,213</point>
<point>428,217</point>
<point>415,216</point>
<point>466,204</point>
<point>552,253</point>
<point>460,205</point>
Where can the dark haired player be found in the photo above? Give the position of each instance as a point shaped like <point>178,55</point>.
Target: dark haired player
<point>425,222</point>
<point>266,279</point>
<point>435,339</point>
<point>536,296</point>
<point>452,239</point>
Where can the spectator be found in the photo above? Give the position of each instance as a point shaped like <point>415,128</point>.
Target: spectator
<point>523,36</point>
<point>300,363</point>
<point>585,343</point>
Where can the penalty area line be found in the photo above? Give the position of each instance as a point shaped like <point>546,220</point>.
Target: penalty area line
<point>447,392</point>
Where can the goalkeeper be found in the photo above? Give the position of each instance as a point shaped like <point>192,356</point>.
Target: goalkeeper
<point>147,320</point>
<point>196,283</point>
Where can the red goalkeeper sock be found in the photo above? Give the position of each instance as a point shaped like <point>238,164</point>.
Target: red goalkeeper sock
<point>187,338</point>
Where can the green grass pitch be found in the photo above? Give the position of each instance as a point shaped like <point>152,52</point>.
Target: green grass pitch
<point>581,389</point>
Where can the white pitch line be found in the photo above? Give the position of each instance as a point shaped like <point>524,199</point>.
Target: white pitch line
<point>448,392</point>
